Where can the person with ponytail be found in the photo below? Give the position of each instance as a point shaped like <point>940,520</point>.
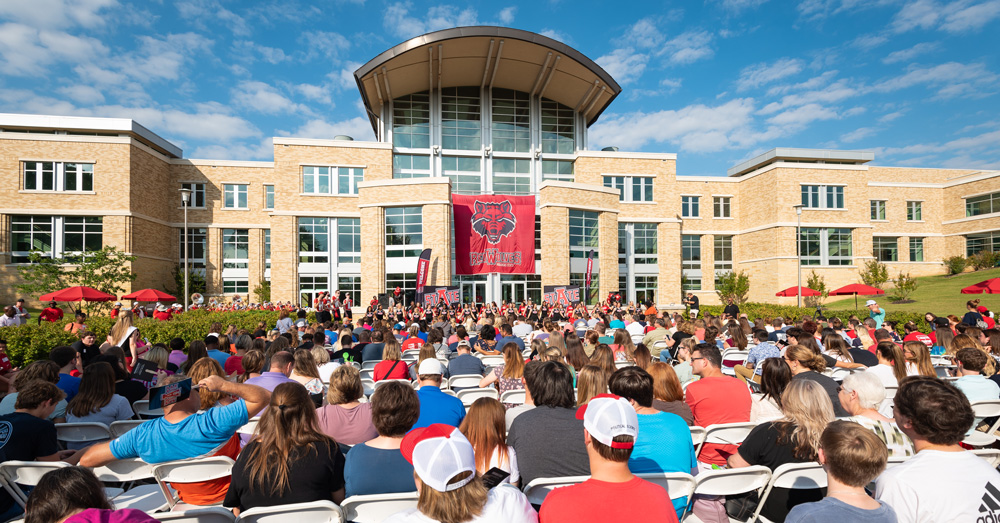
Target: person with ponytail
<point>891,368</point>
<point>288,460</point>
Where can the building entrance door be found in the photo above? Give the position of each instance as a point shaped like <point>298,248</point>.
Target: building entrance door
<point>473,291</point>
<point>514,291</point>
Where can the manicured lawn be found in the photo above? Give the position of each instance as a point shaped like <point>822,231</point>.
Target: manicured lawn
<point>937,294</point>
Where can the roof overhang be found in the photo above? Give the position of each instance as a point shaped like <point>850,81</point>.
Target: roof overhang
<point>488,57</point>
<point>87,125</point>
<point>801,155</point>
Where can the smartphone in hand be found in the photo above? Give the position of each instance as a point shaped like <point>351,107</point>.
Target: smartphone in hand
<point>493,477</point>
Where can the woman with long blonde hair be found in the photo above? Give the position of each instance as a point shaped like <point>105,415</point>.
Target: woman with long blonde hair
<point>591,381</point>
<point>288,460</point>
<point>918,359</point>
<point>604,358</point>
<point>485,427</point>
<point>306,372</point>
<point>792,439</point>
<point>866,340</point>
<point>623,348</point>
<point>202,369</point>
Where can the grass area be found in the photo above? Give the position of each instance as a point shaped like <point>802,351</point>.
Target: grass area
<point>938,294</point>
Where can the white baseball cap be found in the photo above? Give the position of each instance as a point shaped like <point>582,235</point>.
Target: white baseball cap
<point>607,416</point>
<point>869,303</point>
<point>438,453</point>
<point>430,366</point>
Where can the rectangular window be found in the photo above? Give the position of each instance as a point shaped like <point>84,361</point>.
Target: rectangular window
<point>914,211</point>
<point>583,233</point>
<point>466,174</point>
<point>622,245</point>
<point>197,242</point>
<point>411,166</point>
<point>411,121</point>
<point>885,249</point>
<point>352,286</point>
<point>331,180</point>
<point>234,196</point>
<point>631,188</point>
<point>916,249</point>
<point>267,248</point>
<point>984,204</point>
<point>511,176</point>
<point>689,206</point>
<point>644,243</point>
<point>580,278</point>
<point>988,241</point>
<point>407,282</point>
<point>616,182</point>
<point>82,234</point>
<point>30,233</point>
<point>197,194</point>
<point>403,232</point>
<point>235,249</point>
<point>823,196</point>
<point>268,197</point>
<point>557,170</point>
<point>310,286</point>
<point>235,286</point>
<point>722,206</point>
<point>58,176</point>
<point>825,246</point>
<point>690,262</point>
<point>315,180</point>
<point>348,240</point>
<point>723,250</point>
<point>348,179</point>
<point>460,120</point>
<point>558,134</point>
<point>878,209</point>
<point>511,121</point>
<point>645,289</point>
<point>314,240</point>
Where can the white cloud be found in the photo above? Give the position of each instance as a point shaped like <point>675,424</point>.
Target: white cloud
<point>802,116</point>
<point>316,93</point>
<point>832,93</point>
<point>965,16</point>
<point>741,5</point>
<point>951,79</point>
<point>398,21</point>
<point>262,150</point>
<point>689,47</point>
<point>358,128</point>
<point>988,142</point>
<point>83,94</point>
<point>506,15</point>
<point>959,16</point>
<point>555,35</point>
<point>624,65</point>
<point>263,98</point>
<point>922,14</point>
<point>27,51</point>
<point>163,58</point>
<point>858,134</point>
<point>57,14</point>
<point>759,74</point>
<point>327,44</point>
<point>248,51</point>
<point>198,12</point>
<point>344,77</point>
<point>644,34</point>
<point>891,116</point>
<point>866,42</point>
<point>910,53</point>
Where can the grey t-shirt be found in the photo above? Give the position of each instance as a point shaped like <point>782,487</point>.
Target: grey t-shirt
<point>466,364</point>
<point>832,510</point>
<point>548,442</point>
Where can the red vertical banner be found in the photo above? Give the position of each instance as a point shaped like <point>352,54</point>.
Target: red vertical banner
<point>423,267</point>
<point>494,233</point>
<point>590,271</point>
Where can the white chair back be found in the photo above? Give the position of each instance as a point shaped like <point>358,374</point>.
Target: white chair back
<point>312,512</point>
<point>383,382</point>
<point>990,455</point>
<point>27,473</point>
<point>82,432</point>
<point>623,364</point>
<point>369,365</point>
<point>492,360</point>
<point>697,436</point>
<point>141,409</point>
<point>540,487</point>
<point>515,397</point>
<point>368,385</point>
<point>468,396</point>
<point>190,471</point>
<point>368,374</point>
<point>121,427</point>
<point>198,515</point>
<point>375,508</point>
<point>984,409</point>
<point>250,427</point>
<point>677,484</point>
<point>726,434</point>
<point>793,476</point>
<point>464,381</point>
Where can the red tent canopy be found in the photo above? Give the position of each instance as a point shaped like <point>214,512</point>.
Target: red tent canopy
<point>149,295</point>
<point>794,291</point>
<point>80,293</point>
<point>990,286</point>
<point>856,289</point>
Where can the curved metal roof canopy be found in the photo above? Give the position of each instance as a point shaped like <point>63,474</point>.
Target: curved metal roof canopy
<point>487,57</point>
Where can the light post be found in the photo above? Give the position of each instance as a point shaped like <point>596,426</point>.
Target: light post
<point>798,249</point>
<point>186,202</point>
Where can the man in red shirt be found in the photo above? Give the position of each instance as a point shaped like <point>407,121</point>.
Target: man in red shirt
<point>612,494</point>
<point>162,313</point>
<point>912,334</point>
<point>51,313</point>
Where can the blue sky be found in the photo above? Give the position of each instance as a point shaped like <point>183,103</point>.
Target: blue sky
<point>716,82</point>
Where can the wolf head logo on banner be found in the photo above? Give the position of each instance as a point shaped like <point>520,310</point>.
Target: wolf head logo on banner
<point>493,220</point>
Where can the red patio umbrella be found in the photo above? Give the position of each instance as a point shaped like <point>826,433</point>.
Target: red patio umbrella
<point>149,295</point>
<point>856,289</point>
<point>794,291</point>
<point>990,286</point>
<point>79,293</point>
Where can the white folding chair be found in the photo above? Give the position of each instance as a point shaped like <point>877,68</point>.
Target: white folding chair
<point>468,396</point>
<point>623,364</point>
<point>121,427</point>
<point>313,512</point>
<point>198,515</point>
<point>29,473</point>
<point>990,455</point>
<point>369,365</point>
<point>726,434</point>
<point>984,409</point>
<point>637,338</point>
<point>368,385</point>
<point>368,374</point>
<point>731,358</point>
<point>383,382</point>
<point>250,427</point>
<point>890,391</point>
<point>492,360</point>
<point>374,508</point>
<point>730,482</point>
<point>190,471</point>
<point>83,432</point>
<point>839,373</point>
<point>697,436</point>
<point>464,381</point>
<point>792,476</point>
<point>147,498</point>
<point>515,397</point>
<point>141,409</point>
<point>677,484</point>
<point>540,487</point>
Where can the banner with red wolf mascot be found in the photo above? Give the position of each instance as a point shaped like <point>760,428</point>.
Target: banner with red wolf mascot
<point>494,233</point>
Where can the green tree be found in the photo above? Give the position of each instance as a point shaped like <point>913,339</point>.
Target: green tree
<point>107,270</point>
<point>905,285</point>
<point>816,282</point>
<point>263,292</point>
<point>875,273</point>
<point>43,274</point>
<point>734,286</point>
<point>196,283</point>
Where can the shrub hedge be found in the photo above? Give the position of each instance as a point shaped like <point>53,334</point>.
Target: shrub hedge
<point>768,310</point>
<point>30,342</point>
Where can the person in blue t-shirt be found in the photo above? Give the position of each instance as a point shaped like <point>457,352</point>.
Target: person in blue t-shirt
<point>377,466</point>
<point>508,335</point>
<point>876,313</point>
<point>68,360</point>
<point>664,443</point>
<point>436,406</point>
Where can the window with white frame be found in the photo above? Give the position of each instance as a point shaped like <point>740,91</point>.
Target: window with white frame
<point>557,170</point>
<point>411,166</point>
<point>878,210</point>
<point>465,173</point>
<point>314,240</point>
<point>722,206</point>
<point>197,194</point>
<point>690,262</point>
<point>823,196</point>
<point>818,246</point>
<point>644,243</point>
<point>234,196</point>
<point>315,180</point>
<point>82,234</point>
<point>235,248</point>
<point>411,121</point>
<point>622,248</point>
<point>914,211</point>
<point>631,188</point>
<point>511,176</point>
<point>268,197</point>
<point>645,289</point>
<point>723,250</point>
<point>235,286</point>
<point>30,233</point>
<point>267,249</point>
<point>580,278</point>
<point>54,236</point>
<point>885,248</point>
<point>197,241</point>
<point>510,123</point>
<point>310,286</point>
<point>689,206</point>
<point>916,249</point>
<point>348,240</point>
<point>460,119</point>
<point>982,204</point>
<point>348,179</point>
<point>404,232</point>
<point>557,126</point>
<point>58,176</point>
<point>583,234</point>
<point>351,285</point>
<point>333,180</point>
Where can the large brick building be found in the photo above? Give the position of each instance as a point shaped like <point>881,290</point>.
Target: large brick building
<point>477,110</point>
